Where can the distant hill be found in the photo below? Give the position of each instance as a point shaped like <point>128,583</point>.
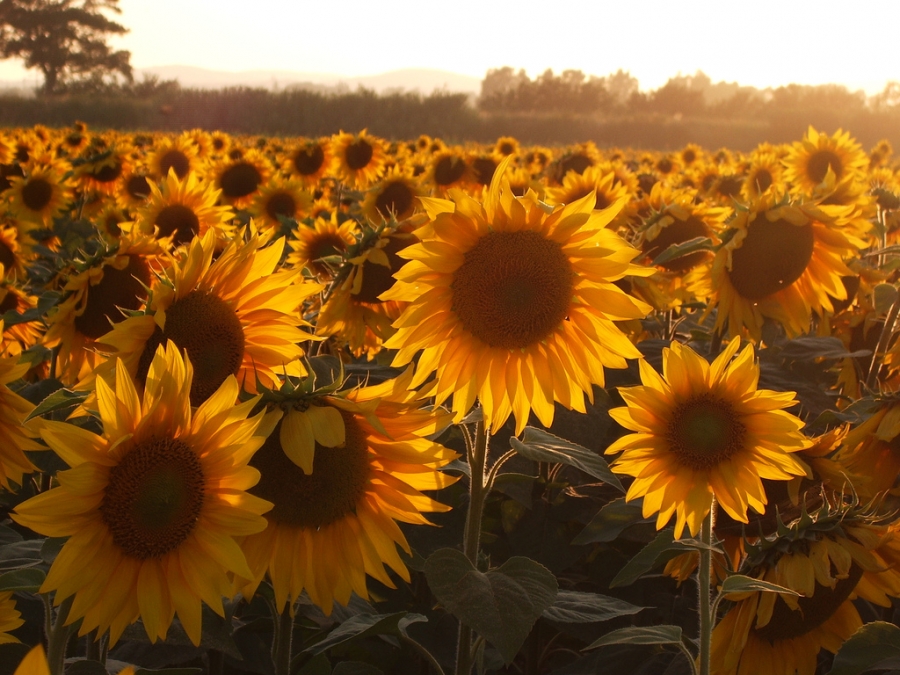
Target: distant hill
<point>411,79</point>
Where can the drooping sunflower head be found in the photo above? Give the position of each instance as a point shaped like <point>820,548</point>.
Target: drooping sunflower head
<point>359,158</point>
<point>355,311</point>
<point>704,430</point>
<point>508,298</point>
<point>785,261</point>
<point>96,295</point>
<point>184,209</point>
<point>103,169</point>
<point>335,467</point>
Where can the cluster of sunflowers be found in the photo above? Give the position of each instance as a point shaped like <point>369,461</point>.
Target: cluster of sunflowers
<point>235,370</point>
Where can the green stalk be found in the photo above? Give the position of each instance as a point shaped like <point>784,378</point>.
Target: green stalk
<point>703,588</point>
<point>282,638</point>
<point>477,455</point>
<point>58,637</point>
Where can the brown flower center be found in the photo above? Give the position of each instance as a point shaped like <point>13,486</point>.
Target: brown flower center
<point>208,328</point>
<point>377,278</point>
<point>678,232</point>
<point>513,289</point>
<point>37,193</point>
<point>118,288</point>
<point>177,160</point>
<point>448,170</point>
<point>153,498</point>
<point>359,154</point>
<point>395,198</point>
<point>818,163</point>
<point>483,169</point>
<point>762,179</point>
<point>705,431</point>
<point>107,174</point>
<point>814,611</point>
<point>179,220</point>
<point>772,256</point>
<point>281,204</point>
<point>137,187</point>
<point>309,160</point>
<point>239,180</point>
<point>329,493</point>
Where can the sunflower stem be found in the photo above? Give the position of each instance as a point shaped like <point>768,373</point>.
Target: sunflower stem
<point>476,451</point>
<point>281,642</point>
<point>703,588</point>
<point>883,340</point>
<point>58,638</point>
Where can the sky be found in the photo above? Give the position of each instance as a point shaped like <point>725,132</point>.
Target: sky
<point>763,43</point>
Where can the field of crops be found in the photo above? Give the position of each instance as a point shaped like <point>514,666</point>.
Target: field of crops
<point>344,406</point>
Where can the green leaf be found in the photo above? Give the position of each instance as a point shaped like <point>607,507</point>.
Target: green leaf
<point>868,647</point>
<point>29,579</point>
<point>501,605</point>
<point>661,549</point>
<point>640,635</point>
<point>356,668</point>
<point>684,248</point>
<point>8,535</point>
<point>578,607</point>
<point>51,548</point>
<point>884,296</point>
<point>85,667</point>
<point>738,583</point>
<point>542,446</point>
<point>26,553</point>
<point>610,522</point>
<point>363,625</point>
<point>58,400</point>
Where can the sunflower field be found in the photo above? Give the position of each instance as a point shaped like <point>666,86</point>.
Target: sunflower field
<point>348,406</point>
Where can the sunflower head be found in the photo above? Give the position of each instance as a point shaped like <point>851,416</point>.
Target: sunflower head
<point>701,431</point>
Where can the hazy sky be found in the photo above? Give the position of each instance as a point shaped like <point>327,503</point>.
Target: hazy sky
<point>761,43</point>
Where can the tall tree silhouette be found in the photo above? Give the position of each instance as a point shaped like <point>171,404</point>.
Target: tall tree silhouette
<point>64,39</point>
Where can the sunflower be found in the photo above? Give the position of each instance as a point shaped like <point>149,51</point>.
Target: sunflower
<point>101,173</point>
<point>24,335</point>
<point>394,196</point>
<point>809,161</point>
<point>239,179</point>
<point>309,161</point>
<point>96,295</point>
<point>783,634</point>
<point>764,174</point>
<point>514,305</point>
<point>704,431</point>
<point>359,158</point>
<point>355,311</point>
<point>178,154</point>
<point>785,261</point>
<point>279,198</point>
<point>15,254</point>
<point>154,502</point>
<point>134,188</point>
<point>10,618</point>
<point>321,239</point>
<point>341,470</point>
<point>39,196</point>
<point>448,169</point>
<point>506,145</point>
<point>871,450</point>
<point>577,159</point>
<point>184,209</point>
<point>17,436</point>
<point>235,316</point>
<point>607,190</point>
<point>217,145</point>
<point>690,154</point>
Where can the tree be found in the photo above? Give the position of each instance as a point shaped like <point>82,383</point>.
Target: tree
<point>64,39</point>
